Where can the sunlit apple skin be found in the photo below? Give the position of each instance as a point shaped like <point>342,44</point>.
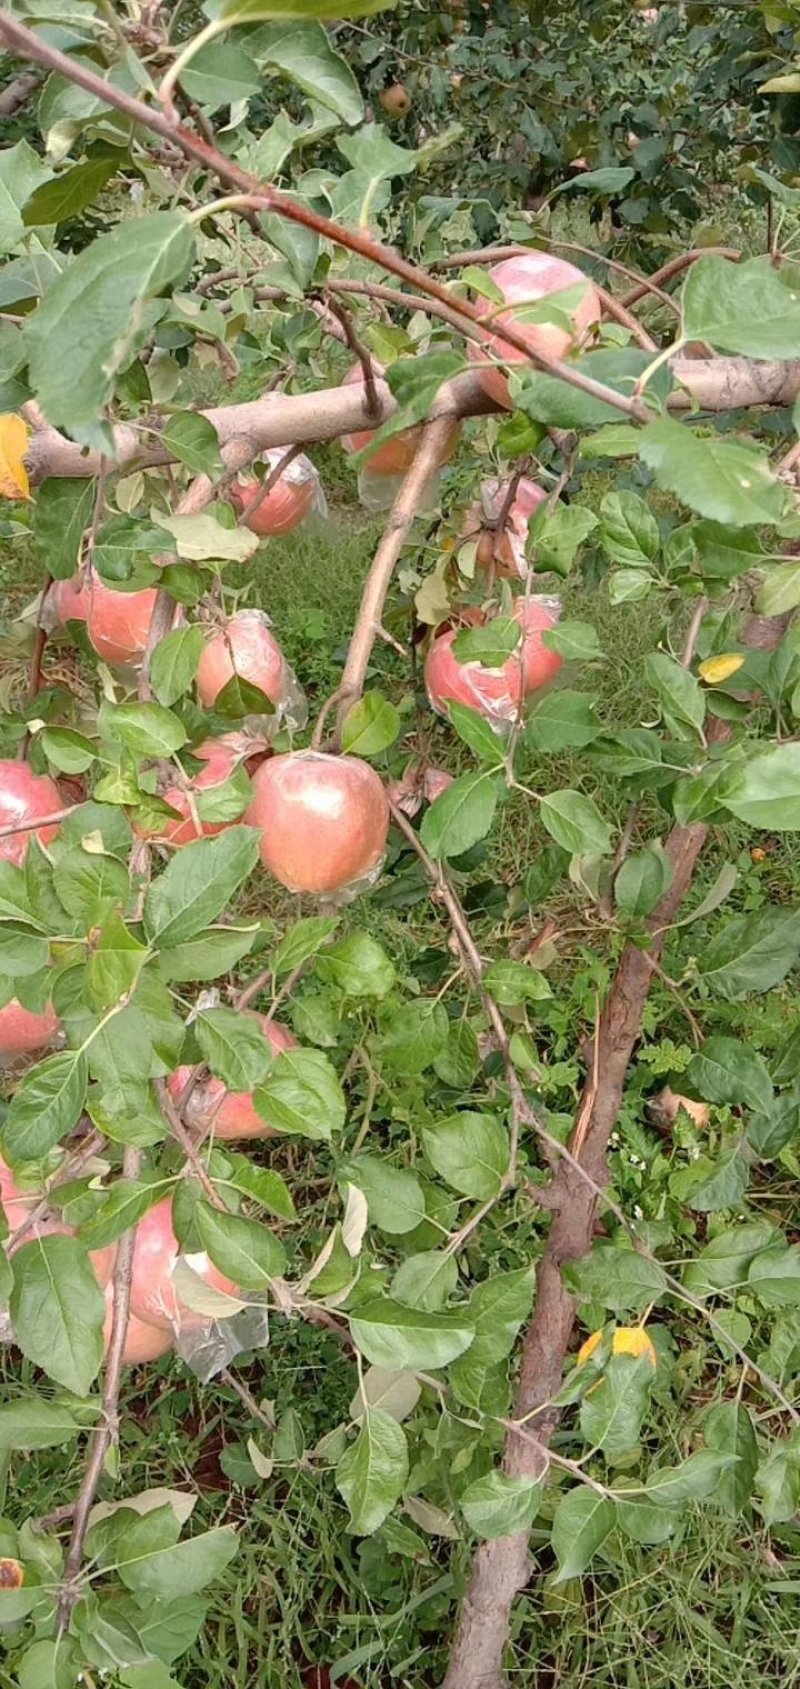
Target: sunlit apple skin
<point>118,622</point>
<point>23,796</point>
<point>22,1032</point>
<point>154,1299</point>
<point>68,601</point>
<point>286,505</point>
<point>497,693</point>
<point>396,455</point>
<point>324,820</point>
<point>524,280</point>
<point>506,551</point>
<point>230,1114</point>
<point>245,647</point>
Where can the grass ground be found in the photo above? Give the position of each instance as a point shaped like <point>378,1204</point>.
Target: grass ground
<point>718,1607</point>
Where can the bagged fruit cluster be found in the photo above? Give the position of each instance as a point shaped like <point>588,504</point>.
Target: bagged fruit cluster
<point>244,648</point>
<point>498,693</point>
<point>493,547</point>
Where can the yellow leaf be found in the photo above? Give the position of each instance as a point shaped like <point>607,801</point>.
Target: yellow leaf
<point>721,668</point>
<point>13,446</point>
<point>587,1349</point>
<point>632,1340</point>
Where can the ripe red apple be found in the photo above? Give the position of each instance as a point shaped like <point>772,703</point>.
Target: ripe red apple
<point>397,454</point>
<point>154,1299</point>
<point>229,1114</point>
<point>244,647</point>
<point>118,622</point>
<point>220,757</point>
<point>324,820</point>
<point>142,1342</point>
<point>22,1031</point>
<point>24,796</point>
<point>287,503</point>
<point>68,601</point>
<point>17,1204</point>
<point>497,693</point>
<point>523,281</point>
<point>505,551</point>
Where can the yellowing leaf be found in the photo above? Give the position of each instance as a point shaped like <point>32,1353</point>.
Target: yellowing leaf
<point>627,1340</point>
<point>717,669</point>
<point>13,446</point>
<point>587,1349</point>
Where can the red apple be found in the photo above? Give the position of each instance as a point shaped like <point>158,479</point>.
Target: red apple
<point>68,601</point>
<point>17,1204</point>
<point>524,281</point>
<point>22,1032</point>
<point>229,1114</point>
<point>220,757</point>
<point>288,502</point>
<point>118,622</point>
<point>397,454</point>
<point>497,693</point>
<point>24,796</point>
<point>154,1299</point>
<point>505,551</point>
<point>142,1342</point>
<point>244,647</point>
<point>324,820</point>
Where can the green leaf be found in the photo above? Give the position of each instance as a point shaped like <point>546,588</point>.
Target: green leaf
<point>724,552</point>
<point>491,644</point>
<point>470,1151</point>
<point>779,591</point>
<point>91,321</point>
<point>243,1249</point>
<point>745,308</point>
<point>555,539</point>
<point>31,1422</point>
<point>371,726</point>
<point>57,1311</point>
<point>710,1186</point>
<point>358,966</point>
<point>768,1134</point>
<point>413,1036</point>
<point>234,1046</point>
<point>778,1481</point>
<point>774,1276</point>
<point>302,941</point>
<point>644,1523</point>
<point>683,701</point>
<point>372,1472</point>
<point>575,641</point>
<point>263,1184</point>
<point>409,1338</point>
<point>62,511</point>
<point>303,52</point>
<point>302,1095</point>
<point>752,953</point>
<point>628,531</point>
<point>723,1071</point>
<point>198,884</point>
<point>395,1198</point>
<point>510,983</point>
<point>462,815</point>
<point>728,1429</point>
<point>123,1206</point>
<point>457,1064</point>
<point>67,750</point>
<point>723,479</point>
<point>22,952</point>
<point>582,1521</point>
<point>561,721</point>
<point>201,538</point>
<point>114,966</point>
<point>209,955</point>
<point>425,1281</point>
<point>476,732</point>
<point>498,1506</point>
<point>642,881</point>
<point>252,11</point>
<point>46,1104</point>
<point>617,1278</point>
<point>724,1262</point>
<point>174,664</point>
<point>221,74</point>
<point>575,823</point>
<point>21,173</point>
<point>629,586</point>
<point>193,440</point>
<point>694,1480</point>
<point>547,399</point>
<point>70,193</point>
<point>616,439</point>
<point>766,791</point>
<point>173,1573</point>
<point>611,1413</point>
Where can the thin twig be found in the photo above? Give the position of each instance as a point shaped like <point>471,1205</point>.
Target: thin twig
<point>360,351</point>
<point>271,480</point>
<point>70,1168</point>
<point>108,1429</point>
<point>675,267</point>
<point>247,1398</point>
<point>33,821</point>
<point>187,1144</point>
